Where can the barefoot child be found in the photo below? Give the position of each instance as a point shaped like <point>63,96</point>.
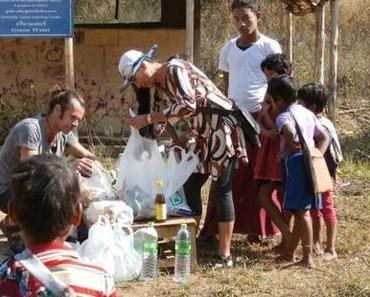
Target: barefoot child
<point>298,197</point>
<point>314,97</point>
<point>267,168</point>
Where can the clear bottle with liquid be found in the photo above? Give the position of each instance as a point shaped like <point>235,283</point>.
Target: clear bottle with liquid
<point>160,203</point>
<point>150,252</point>
<point>182,254</point>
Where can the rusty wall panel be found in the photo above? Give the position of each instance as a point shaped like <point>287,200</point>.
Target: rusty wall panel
<point>30,67</point>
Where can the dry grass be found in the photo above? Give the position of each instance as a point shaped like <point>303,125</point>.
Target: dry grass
<point>259,272</point>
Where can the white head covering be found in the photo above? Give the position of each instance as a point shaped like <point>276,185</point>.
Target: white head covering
<point>130,62</point>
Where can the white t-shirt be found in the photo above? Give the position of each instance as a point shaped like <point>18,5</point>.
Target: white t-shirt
<point>247,82</point>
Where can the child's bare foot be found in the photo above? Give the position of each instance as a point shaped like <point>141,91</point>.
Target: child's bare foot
<point>287,256</point>
<point>317,249</point>
<point>291,257</point>
<point>329,255</point>
<point>307,263</point>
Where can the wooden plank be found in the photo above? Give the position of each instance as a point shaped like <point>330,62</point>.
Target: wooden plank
<point>193,234</point>
<point>190,30</point>
<point>319,44</point>
<point>168,223</point>
<point>333,66</point>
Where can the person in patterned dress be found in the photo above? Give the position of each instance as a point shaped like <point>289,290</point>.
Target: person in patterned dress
<point>216,134</point>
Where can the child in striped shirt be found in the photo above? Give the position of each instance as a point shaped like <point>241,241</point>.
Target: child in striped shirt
<point>45,204</point>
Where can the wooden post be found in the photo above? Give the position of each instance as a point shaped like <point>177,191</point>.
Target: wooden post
<point>197,17</point>
<point>70,72</point>
<point>333,70</point>
<point>68,53</point>
<point>190,29</point>
<point>289,36</point>
<point>319,44</point>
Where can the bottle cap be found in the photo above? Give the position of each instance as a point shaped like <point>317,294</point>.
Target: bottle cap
<point>159,184</point>
<point>184,226</point>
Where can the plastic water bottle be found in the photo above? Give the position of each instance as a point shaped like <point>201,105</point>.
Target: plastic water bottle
<point>183,254</point>
<point>150,251</point>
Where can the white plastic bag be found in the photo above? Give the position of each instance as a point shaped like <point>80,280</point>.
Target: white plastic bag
<point>99,184</point>
<point>98,247</point>
<point>141,164</point>
<point>127,260</point>
<point>111,246</point>
<point>116,210</point>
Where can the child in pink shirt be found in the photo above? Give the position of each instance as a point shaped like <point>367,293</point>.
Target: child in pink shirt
<point>298,196</point>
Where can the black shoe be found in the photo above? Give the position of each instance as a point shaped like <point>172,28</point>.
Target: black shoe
<point>223,261</point>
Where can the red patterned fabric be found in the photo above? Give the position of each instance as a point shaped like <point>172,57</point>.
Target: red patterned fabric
<point>84,278</point>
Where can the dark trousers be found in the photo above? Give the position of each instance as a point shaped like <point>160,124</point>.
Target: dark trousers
<point>221,189</point>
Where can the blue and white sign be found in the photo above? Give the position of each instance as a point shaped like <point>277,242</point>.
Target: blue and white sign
<point>36,18</point>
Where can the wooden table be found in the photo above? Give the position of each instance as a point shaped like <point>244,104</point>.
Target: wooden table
<point>167,230</point>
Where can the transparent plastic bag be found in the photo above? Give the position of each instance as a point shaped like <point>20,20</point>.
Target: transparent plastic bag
<point>141,164</point>
<point>98,186</point>
<point>116,210</point>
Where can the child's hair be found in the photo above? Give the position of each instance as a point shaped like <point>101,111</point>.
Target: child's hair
<point>314,94</point>
<point>278,63</point>
<point>45,197</point>
<point>284,88</point>
<point>254,5</point>
<point>179,56</point>
<point>63,97</point>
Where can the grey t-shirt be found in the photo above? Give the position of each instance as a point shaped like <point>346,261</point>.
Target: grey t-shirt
<point>29,133</point>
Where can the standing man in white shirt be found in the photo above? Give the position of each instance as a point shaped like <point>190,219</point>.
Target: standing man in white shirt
<point>245,83</point>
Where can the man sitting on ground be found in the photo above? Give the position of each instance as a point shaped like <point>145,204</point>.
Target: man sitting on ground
<point>45,204</point>
<point>45,133</point>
